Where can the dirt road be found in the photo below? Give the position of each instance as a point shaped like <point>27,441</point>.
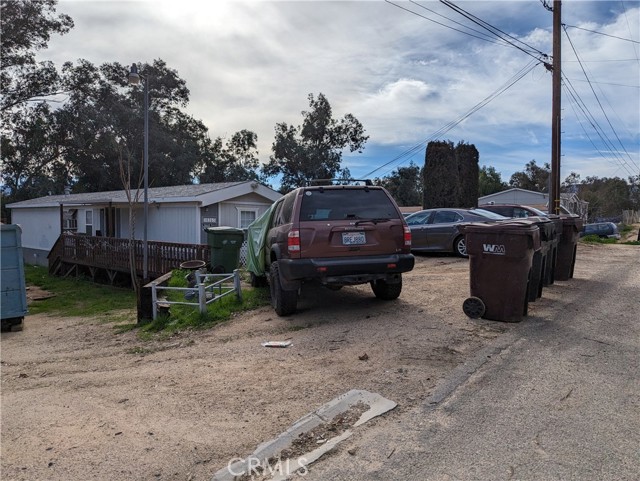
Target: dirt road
<point>80,401</point>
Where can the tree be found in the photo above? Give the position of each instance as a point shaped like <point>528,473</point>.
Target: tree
<point>467,157</point>
<point>607,197</point>
<point>533,178</point>
<point>450,175</point>
<point>32,153</point>
<point>404,184</point>
<point>490,181</point>
<point>27,26</point>
<point>314,149</point>
<point>104,111</point>
<point>237,161</point>
<point>81,141</point>
<point>570,182</point>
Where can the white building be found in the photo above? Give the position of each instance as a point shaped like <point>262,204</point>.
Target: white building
<point>176,214</point>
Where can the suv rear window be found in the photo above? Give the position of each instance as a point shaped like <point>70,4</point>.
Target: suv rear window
<point>337,204</point>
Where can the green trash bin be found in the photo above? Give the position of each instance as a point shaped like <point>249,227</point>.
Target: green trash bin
<point>567,247</point>
<point>500,263</point>
<point>225,244</point>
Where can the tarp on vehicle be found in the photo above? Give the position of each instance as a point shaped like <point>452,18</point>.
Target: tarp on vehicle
<point>256,240</point>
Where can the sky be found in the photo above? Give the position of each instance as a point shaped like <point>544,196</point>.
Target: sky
<point>410,72</point>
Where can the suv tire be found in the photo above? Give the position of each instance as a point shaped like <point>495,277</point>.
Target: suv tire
<point>388,292</point>
<point>283,301</point>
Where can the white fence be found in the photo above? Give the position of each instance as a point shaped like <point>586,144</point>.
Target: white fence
<point>243,254</point>
<point>206,290</point>
<point>630,216</point>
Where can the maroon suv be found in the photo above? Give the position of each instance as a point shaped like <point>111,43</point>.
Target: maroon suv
<point>339,235</point>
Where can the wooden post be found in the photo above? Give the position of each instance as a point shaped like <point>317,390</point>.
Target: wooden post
<point>554,190</point>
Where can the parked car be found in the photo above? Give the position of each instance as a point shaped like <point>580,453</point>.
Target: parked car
<point>437,230</point>
<point>514,210</point>
<point>337,235</point>
<point>605,230</point>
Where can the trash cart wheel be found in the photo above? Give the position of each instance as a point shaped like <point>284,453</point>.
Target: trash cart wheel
<point>473,307</point>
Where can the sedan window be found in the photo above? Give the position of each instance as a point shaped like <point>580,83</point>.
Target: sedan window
<point>446,217</point>
<point>418,218</point>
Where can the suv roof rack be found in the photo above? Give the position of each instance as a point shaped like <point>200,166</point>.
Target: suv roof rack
<point>340,181</point>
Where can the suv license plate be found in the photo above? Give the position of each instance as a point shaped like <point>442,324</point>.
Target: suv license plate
<point>353,238</point>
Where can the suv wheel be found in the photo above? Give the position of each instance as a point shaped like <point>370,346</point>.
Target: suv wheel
<point>257,281</point>
<point>383,290</point>
<point>460,247</point>
<point>283,301</point>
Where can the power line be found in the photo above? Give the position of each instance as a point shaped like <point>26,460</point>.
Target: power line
<point>596,96</point>
<point>487,26</point>
<point>610,83</point>
<point>446,128</point>
<point>458,23</point>
<point>577,102</point>
<point>484,37</point>
<point>601,33</point>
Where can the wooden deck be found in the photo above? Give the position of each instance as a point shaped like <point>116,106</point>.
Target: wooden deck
<point>75,253</point>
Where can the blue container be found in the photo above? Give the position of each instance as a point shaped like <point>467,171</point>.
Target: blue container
<point>13,291</point>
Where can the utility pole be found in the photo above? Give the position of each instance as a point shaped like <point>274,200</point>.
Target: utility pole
<point>554,194</point>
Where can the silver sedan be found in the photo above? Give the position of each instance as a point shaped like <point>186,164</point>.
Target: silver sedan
<point>436,230</point>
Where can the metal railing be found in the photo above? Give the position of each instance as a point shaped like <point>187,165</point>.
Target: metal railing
<point>206,291</point>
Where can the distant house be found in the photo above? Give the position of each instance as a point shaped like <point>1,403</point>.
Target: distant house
<point>175,214</point>
<point>540,200</point>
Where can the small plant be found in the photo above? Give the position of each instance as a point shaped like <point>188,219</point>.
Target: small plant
<point>189,317</point>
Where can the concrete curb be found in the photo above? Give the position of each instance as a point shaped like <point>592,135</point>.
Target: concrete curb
<point>464,371</point>
<point>377,405</point>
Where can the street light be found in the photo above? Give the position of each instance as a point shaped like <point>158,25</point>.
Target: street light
<point>134,79</point>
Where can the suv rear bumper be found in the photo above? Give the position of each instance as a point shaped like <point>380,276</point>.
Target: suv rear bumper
<point>353,270</point>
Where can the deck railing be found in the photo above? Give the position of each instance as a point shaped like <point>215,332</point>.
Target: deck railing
<point>113,254</point>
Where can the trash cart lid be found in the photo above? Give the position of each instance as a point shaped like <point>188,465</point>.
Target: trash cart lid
<point>224,230</point>
<point>503,227</point>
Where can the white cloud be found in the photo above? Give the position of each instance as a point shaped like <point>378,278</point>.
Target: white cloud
<point>252,64</point>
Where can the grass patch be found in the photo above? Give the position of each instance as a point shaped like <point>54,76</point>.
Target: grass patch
<point>297,328</point>
<point>594,239</point>
<point>79,297</point>
<point>189,317</point>
<point>624,229</point>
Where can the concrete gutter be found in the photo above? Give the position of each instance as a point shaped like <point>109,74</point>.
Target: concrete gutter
<point>377,405</point>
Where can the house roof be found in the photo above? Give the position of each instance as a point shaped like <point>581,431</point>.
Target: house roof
<point>203,194</point>
<point>514,190</point>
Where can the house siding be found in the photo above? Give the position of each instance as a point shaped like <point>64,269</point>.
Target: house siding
<point>167,223</point>
<point>175,214</point>
<point>230,211</point>
<point>40,230</point>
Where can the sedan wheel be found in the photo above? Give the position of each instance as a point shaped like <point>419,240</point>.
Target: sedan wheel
<point>460,246</point>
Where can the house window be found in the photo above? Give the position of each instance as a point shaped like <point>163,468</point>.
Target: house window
<point>89,222</point>
<point>246,217</point>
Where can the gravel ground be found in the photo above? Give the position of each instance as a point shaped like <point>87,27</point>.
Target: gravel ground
<point>81,402</point>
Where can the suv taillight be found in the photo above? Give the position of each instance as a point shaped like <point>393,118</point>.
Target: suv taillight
<point>407,236</point>
<point>293,242</point>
